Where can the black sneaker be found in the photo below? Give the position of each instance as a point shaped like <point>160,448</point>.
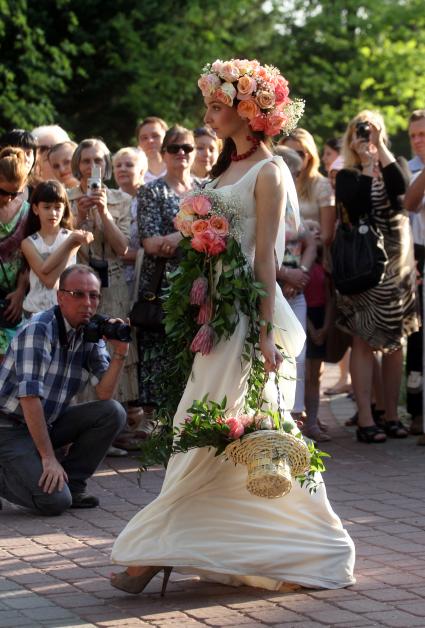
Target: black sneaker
<point>82,500</point>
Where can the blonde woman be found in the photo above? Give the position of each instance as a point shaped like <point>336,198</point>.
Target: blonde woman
<point>380,318</point>
<point>315,193</point>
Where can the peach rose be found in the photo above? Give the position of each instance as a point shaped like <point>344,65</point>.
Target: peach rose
<point>244,65</point>
<point>265,99</point>
<point>258,123</point>
<point>219,225</point>
<point>208,83</point>
<point>246,85</point>
<point>225,94</point>
<point>229,72</point>
<point>199,226</point>
<point>248,109</point>
<point>201,205</point>
<point>183,223</point>
<point>186,206</point>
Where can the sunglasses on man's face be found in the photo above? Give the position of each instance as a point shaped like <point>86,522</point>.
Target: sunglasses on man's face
<point>173,149</point>
<point>11,194</point>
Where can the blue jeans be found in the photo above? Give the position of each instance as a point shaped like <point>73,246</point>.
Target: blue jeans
<point>90,427</point>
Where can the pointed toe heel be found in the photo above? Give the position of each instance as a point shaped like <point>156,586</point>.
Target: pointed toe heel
<point>136,584</point>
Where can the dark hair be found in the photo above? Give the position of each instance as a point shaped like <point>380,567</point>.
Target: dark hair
<point>418,114</point>
<point>79,268</point>
<point>224,159</point>
<point>150,120</point>
<point>21,139</point>
<point>204,131</point>
<point>335,143</point>
<point>48,192</point>
<point>174,132</point>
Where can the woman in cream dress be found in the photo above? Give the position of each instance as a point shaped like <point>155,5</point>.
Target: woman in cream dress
<point>205,521</point>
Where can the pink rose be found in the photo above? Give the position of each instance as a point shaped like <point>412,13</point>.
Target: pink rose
<point>281,90</point>
<point>203,341</point>
<point>205,313</point>
<point>229,72</point>
<point>217,246</point>
<point>246,86</point>
<point>199,226</point>
<point>244,65</point>
<point>236,428</point>
<point>199,291</point>
<point>208,83</point>
<point>219,225</point>
<point>216,66</point>
<point>225,94</point>
<point>201,205</point>
<point>209,243</point>
<point>248,109</point>
<point>258,123</point>
<point>186,206</point>
<point>274,123</point>
<point>265,99</point>
<point>246,420</point>
<point>183,223</point>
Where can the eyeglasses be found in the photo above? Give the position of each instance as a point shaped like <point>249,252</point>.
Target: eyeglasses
<point>11,194</point>
<point>173,149</point>
<point>79,295</point>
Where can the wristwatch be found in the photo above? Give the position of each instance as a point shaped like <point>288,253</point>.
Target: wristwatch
<point>304,269</point>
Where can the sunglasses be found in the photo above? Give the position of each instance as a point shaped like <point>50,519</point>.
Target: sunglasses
<point>11,194</point>
<point>79,295</point>
<point>43,148</point>
<point>173,149</point>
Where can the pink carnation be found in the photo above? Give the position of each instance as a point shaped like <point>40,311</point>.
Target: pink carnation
<point>236,428</point>
<point>199,291</point>
<point>205,313</point>
<point>203,341</point>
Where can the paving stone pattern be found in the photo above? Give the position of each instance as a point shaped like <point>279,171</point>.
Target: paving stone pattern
<point>54,571</point>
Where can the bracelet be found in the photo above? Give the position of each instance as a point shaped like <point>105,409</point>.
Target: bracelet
<point>304,269</point>
<point>120,356</point>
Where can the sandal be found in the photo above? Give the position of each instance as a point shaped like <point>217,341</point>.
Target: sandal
<point>370,434</point>
<point>395,429</point>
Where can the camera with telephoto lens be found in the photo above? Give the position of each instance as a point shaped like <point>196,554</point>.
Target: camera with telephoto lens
<point>363,130</point>
<point>100,326</point>
<point>94,182</point>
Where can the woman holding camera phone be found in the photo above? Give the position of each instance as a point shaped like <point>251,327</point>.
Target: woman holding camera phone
<point>13,217</point>
<point>379,318</point>
<point>106,213</point>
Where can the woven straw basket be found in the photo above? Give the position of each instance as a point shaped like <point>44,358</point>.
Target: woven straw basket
<point>273,458</point>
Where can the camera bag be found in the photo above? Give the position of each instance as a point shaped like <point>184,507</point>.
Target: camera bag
<point>147,313</point>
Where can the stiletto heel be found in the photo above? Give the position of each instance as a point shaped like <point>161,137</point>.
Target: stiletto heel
<point>167,572</point>
<point>136,584</point>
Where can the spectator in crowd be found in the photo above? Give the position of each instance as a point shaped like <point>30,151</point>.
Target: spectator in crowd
<point>50,246</point>
<point>60,158</point>
<point>207,148</point>
<point>41,373</point>
<point>158,203</point>
<point>13,217</point>
<point>294,274</point>
<point>150,135</point>
<point>417,140</point>
<point>379,318</point>
<point>331,151</point>
<point>415,203</point>
<point>46,137</point>
<point>106,214</point>
<point>130,166</point>
<point>19,138</point>
<point>314,191</point>
<point>319,306</point>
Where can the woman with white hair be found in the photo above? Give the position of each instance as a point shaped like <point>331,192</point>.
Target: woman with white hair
<point>46,137</point>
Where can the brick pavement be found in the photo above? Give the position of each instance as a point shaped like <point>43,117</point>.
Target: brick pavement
<point>54,571</point>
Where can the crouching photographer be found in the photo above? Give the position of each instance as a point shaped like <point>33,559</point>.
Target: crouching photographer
<point>49,361</point>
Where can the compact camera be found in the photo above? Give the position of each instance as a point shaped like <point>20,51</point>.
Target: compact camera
<point>94,182</point>
<point>363,130</point>
<point>100,326</point>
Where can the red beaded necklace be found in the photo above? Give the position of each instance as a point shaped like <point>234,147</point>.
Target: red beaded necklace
<point>256,143</point>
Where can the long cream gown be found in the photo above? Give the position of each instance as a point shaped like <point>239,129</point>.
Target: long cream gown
<point>205,521</point>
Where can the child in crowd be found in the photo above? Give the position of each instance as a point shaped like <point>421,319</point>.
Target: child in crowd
<point>60,157</point>
<point>317,295</point>
<point>50,246</point>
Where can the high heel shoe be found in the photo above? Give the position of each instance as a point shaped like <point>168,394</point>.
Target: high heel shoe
<point>136,584</point>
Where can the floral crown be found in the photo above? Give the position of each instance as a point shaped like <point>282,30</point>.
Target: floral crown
<point>262,92</point>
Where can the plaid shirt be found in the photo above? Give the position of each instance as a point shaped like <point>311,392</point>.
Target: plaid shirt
<point>47,362</point>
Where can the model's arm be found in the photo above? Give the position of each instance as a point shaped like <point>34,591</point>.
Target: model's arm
<point>414,199</point>
<point>269,195</point>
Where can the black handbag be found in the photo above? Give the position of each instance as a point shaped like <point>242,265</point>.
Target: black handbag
<point>358,255</point>
<point>147,313</point>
